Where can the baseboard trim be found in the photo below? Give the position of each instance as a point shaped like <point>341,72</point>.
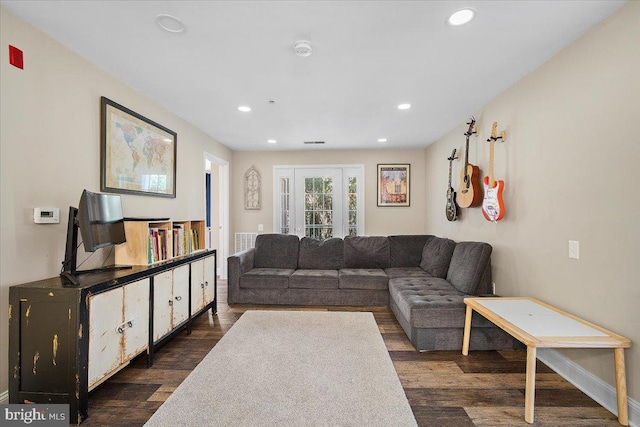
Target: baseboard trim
<point>4,397</point>
<point>592,386</point>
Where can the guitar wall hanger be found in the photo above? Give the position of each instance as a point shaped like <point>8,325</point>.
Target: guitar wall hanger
<point>475,131</point>
<point>494,136</point>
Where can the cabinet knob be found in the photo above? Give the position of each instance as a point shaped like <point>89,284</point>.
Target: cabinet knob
<point>178,298</point>
<point>206,283</point>
<point>170,302</point>
<point>130,323</point>
<point>120,329</point>
<point>202,285</point>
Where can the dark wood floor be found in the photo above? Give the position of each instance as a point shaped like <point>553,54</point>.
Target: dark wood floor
<point>485,388</point>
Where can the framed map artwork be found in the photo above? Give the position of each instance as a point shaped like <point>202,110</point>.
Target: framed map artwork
<point>394,182</point>
<point>138,156</point>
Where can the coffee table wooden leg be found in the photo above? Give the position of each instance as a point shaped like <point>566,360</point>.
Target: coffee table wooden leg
<point>467,331</point>
<point>621,386</point>
<point>530,387</point>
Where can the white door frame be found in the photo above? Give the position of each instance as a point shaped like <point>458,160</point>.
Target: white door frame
<point>223,203</point>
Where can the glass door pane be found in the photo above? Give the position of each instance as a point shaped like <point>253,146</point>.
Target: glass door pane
<point>318,200</point>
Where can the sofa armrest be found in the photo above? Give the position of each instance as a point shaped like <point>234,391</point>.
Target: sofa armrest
<point>237,265</point>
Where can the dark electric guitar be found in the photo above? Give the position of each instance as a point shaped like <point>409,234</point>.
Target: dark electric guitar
<point>470,191</point>
<point>452,208</point>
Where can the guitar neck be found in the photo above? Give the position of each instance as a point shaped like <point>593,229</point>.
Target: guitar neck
<point>450,161</point>
<point>492,181</point>
<point>466,156</point>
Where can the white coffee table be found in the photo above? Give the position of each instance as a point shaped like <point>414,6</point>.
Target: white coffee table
<point>539,325</point>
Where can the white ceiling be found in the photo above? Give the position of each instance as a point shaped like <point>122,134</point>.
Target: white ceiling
<point>368,57</point>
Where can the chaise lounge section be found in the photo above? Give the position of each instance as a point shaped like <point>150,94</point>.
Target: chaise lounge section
<point>422,278</point>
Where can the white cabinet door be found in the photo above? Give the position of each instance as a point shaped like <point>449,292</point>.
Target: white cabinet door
<point>162,304</point>
<point>180,295</point>
<point>197,286</point>
<point>136,318</point>
<point>209,279</point>
<point>105,342</point>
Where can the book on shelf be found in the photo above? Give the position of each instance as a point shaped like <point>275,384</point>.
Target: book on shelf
<point>179,241</point>
<point>195,244</point>
<point>159,241</point>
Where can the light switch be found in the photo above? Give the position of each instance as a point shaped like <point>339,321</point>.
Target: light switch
<point>260,227</point>
<point>574,249</point>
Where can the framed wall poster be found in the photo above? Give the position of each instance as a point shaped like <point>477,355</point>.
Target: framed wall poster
<point>138,156</point>
<point>394,183</point>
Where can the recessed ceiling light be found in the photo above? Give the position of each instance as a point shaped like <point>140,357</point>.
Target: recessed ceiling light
<point>244,108</point>
<point>271,141</point>
<point>461,17</point>
<point>404,106</point>
<point>382,139</point>
<point>170,23</point>
<point>302,48</point>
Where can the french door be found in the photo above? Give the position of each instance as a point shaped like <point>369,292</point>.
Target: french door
<point>319,202</point>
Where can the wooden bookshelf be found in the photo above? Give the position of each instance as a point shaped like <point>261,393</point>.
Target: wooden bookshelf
<point>151,242</point>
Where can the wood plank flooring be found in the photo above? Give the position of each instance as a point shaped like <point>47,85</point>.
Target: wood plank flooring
<point>444,389</point>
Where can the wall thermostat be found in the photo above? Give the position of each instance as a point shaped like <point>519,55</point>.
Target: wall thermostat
<point>46,215</point>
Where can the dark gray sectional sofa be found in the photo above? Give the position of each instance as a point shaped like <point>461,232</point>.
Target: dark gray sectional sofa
<point>423,279</point>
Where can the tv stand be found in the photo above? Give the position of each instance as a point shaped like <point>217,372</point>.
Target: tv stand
<point>82,334</point>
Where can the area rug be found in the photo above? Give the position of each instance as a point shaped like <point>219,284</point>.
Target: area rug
<point>292,368</point>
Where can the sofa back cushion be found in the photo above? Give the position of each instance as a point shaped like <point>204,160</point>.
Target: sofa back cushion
<point>366,252</point>
<point>469,264</point>
<point>436,256</point>
<point>321,254</point>
<point>276,251</point>
<point>406,251</point>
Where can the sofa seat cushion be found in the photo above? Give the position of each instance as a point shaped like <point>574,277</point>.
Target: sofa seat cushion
<point>266,278</point>
<point>321,254</point>
<point>364,278</point>
<point>314,279</point>
<point>428,302</point>
<point>398,272</point>
<point>366,252</point>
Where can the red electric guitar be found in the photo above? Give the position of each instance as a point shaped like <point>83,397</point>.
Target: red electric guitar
<point>493,205</point>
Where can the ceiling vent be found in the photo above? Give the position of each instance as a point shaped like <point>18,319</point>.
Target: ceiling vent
<point>314,142</point>
<point>302,48</point>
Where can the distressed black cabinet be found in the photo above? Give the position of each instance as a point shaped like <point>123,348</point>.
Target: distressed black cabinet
<point>50,324</point>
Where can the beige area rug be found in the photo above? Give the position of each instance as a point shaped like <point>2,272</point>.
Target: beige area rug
<point>292,368</point>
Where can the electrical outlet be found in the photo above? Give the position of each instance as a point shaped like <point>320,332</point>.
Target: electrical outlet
<point>260,227</point>
<point>574,249</point>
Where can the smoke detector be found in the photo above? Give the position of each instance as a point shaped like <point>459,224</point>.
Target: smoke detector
<point>302,48</point>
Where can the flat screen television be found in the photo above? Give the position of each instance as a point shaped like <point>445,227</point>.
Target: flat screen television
<point>101,223</point>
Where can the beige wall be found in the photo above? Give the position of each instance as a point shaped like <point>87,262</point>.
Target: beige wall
<point>378,220</point>
<point>50,152</point>
<point>570,163</point>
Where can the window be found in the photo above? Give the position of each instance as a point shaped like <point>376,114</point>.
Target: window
<point>285,210</point>
<point>319,202</point>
